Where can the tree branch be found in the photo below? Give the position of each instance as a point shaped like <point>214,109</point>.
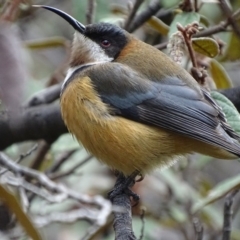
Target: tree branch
<point>227,224</point>
<point>142,17</point>
<point>90,11</point>
<point>132,14</point>
<point>123,219</point>
<point>34,123</point>
<point>226,9</point>
<point>53,187</point>
<point>45,121</point>
<point>96,209</point>
<point>45,96</point>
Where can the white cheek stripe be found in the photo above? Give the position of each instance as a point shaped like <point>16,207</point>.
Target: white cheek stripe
<point>71,71</point>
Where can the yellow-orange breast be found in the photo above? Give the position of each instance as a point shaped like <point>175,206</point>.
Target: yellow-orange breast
<point>122,144</point>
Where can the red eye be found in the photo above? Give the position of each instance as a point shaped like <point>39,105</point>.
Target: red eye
<point>105,43</point>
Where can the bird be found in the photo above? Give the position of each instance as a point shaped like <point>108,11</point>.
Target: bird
<point>133,107</point>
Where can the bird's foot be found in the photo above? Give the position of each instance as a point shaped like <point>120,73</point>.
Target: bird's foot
<point>123,185</point>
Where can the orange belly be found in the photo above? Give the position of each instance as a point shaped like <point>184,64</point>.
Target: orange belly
<point>120,143</point>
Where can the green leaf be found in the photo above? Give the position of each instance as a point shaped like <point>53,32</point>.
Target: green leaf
<point>229,109</point>
<point>206,46</point>
<point>232,52</point>
<point>184,18</point>
<point>169,3</point>
<point>219,75</point>
<point>158,25</point>
<point>9,199</point>
<point>218,192</point>
<point>204,21</point>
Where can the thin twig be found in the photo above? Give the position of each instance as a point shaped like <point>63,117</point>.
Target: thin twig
<point>71,170</point>
<point>35,190</point>
<point>23,197</point>
<point>46,182</point>
<point>60,161</point>
<point>188,43</point>
<point>196,5</point>
<point>97,215</point>
<point>226,9</point>
<point>227,222</point>
<point>42,151</point>
<point>186,6</point>
<point>161,46</point>
<point>39,158</point>
<point>55,167</point>
<point>66,217</point>
<point>141,18</point>
<point>132,14</point>
<point>221,27</point>
<point>28,153</point>
<point>236,14</point>
<point>22,156</point>
<point>90,11</point>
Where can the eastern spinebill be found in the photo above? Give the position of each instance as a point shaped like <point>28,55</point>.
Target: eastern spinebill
<point>134,108</point>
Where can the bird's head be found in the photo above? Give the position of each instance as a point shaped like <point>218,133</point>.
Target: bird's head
<point>98,42</point>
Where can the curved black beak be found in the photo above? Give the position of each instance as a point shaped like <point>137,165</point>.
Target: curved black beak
<point>72,21</point>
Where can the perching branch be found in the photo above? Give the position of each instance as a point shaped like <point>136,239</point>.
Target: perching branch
<point>122,219</point>
<point>198,228</point>
<point>227,224</point>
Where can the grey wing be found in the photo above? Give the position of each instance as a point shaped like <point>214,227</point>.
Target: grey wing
<point>169,104</point>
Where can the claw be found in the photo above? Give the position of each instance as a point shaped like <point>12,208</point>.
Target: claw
<point>123,185</point>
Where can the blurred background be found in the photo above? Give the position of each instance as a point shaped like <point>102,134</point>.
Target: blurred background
<point>35,47</point>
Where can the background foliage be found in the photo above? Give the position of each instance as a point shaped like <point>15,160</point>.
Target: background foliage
<point>34,51</point>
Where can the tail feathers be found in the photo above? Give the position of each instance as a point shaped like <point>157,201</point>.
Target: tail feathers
<point>230,140</point>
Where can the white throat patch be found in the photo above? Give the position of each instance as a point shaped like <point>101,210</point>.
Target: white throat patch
<point>72,70</point>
